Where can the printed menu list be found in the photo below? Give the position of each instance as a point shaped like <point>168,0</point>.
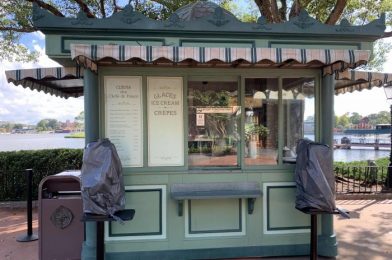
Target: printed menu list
<point>165,121</point>
<point>124,118</point>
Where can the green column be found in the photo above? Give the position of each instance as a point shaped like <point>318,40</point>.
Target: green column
<point>327,245</point>
<point>91,123</point>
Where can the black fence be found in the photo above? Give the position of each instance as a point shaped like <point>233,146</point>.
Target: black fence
<point>361,179</point>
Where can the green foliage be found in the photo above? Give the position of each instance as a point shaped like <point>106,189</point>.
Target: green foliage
<point>253,130</point>
<point>47,124</point>
<point>360,170</point>
<point>76,135</point>
<point>43,162</point>
<point>355,118</point>
<point>346,121</point>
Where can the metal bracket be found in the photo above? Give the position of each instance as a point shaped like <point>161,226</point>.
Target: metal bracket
<point>180,208</point>
<point>251,205</point>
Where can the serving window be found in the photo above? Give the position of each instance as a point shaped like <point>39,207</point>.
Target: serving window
<point>243,124</point>
<point>213,124</point>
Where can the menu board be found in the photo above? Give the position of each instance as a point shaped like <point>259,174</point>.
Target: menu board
<point>124,118</point>
<point>165,121</point>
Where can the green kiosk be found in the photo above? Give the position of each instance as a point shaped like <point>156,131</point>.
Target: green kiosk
<point>205,112</point>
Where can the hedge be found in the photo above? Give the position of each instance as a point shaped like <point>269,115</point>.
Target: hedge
<point>13,185</point>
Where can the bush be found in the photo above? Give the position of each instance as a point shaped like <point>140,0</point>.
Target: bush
<point>13,184</point>
<point>360,170</point>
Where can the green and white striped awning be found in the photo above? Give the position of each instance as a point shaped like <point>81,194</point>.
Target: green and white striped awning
<point>352,80</point>
<point>59,81</point>
<point>68,82</point>
<point>90,56</point>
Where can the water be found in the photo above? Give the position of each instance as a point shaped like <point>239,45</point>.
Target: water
<point>14,142</point>
<point>356,154</point>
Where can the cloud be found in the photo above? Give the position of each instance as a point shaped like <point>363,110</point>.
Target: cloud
<point>39,35</point>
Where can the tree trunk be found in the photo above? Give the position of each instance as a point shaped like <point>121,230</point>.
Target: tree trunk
<point>336,12</point>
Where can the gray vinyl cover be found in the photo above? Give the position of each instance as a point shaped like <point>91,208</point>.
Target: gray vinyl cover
<point>102,183</point>
<point>314,177</point>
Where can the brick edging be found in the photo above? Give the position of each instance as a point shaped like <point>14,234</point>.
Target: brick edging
<point>378,196</point>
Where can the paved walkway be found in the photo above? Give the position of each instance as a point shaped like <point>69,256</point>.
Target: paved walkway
<point>366,236</point>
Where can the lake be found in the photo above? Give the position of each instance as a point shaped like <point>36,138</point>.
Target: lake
<point>14,142</point>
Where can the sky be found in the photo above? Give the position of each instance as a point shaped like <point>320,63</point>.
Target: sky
<point>21,105</point>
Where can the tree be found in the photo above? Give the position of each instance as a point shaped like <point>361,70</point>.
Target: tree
<point>355,118</point>
<point>47,124</point>
<point>79,120</point>
<point>342,121</point>
<point>382,117</point>
<point>16,16</point>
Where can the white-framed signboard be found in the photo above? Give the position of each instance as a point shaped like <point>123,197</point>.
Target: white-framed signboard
<point>165,121</point>
<point>124,117</point>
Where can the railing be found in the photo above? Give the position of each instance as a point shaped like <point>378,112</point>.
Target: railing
<point>361,179</point>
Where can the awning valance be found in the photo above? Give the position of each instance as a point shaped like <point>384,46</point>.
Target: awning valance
<point>59,81</point>
<point>353,80</point>
<point>90,56</point>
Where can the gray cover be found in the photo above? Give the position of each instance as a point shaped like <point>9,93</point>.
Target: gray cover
<point>314,177</point>
<point>102,183</point>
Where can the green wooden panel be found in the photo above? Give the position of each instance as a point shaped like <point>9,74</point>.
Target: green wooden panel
<point>214,216</point>
<point>281,211</point>
<point>148,214</point>
<point>315,45</point>
<point>66,41</point>
<point>217,43</point>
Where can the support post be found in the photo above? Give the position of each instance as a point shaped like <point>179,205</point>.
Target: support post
<point>327,240</point>
<point>29,236</point>
<point>388,180</point>
<point>91,123</point>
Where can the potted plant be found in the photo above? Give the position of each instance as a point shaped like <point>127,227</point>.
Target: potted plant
<point>253,133</point>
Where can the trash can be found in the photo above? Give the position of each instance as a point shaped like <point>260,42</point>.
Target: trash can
<point>61,231</point>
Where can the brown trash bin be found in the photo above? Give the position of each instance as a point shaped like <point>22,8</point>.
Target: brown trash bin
<point>61,232</point>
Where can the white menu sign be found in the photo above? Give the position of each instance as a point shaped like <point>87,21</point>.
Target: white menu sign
<point>124,118</point>
<point>165,121</point>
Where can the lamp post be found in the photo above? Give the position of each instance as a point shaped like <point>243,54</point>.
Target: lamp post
<point>388,181</point>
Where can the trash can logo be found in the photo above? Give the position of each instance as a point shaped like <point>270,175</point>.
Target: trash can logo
<point>62,217</point>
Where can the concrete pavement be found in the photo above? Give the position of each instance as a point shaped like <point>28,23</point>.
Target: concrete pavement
<point>366,236</point>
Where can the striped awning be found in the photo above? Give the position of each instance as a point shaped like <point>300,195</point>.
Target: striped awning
<point>351,80</point>
<point>331,61</point>
<point>59,81</point>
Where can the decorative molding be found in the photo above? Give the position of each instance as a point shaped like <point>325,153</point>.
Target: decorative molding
<point>266,205</point>
<point>119,23</point>
<point>82,19</point>
<point>303,20</point>
<point>129,16</point>
<point>240,231</point>
<point>345,26</point>
<point>38,13</point>
<point>174,21</point>
<point>219,18</point>
<point>262,24</point>
<point>160,234</point>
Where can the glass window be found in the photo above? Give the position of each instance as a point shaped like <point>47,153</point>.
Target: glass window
<point>213,118</point>
<point>261,121</point>
<point>298,110</point>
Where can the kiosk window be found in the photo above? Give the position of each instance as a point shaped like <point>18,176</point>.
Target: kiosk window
<point>261,121</point>
<point>298,111</point>
<point>213,122</point>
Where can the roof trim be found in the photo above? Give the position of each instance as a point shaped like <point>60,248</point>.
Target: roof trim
<point>220,22</point>
<point>58,81</point>
<point>90,56</point>
<point>355,80</point>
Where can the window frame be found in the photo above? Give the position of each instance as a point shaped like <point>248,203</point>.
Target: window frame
<point>218,74</point>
